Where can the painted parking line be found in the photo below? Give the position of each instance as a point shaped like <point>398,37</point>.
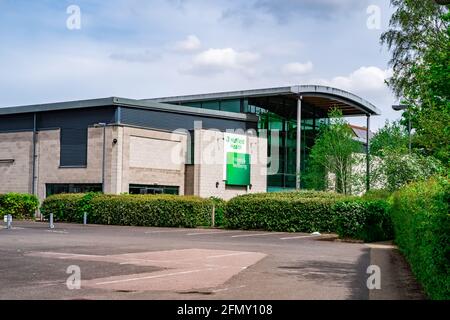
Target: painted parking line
<point>155,276</point>
<point>256,234</point>
<point>298,237</point>
<point>206,233</point>
<point>228,255</point>
<point>165,231</point>
<point>57,231</point>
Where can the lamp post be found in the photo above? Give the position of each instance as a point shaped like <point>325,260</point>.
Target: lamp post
<point>103,125</point>
<point>401,107</point>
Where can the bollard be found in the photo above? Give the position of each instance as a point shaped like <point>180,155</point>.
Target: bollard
<point>213,216</point>
<point>5,220</point>
<point>85,218</point>
<point>52,226</point>
<point>9,221</point>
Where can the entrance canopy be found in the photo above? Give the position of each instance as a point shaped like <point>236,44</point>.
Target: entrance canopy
<point>317,100</point>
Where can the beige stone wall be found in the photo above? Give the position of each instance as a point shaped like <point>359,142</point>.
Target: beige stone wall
<point>153,157</point>
<point>153,160</point>
<point>16,176</point>
<point>209,163</point>
<point>48,160</point>
<point>140,156</point>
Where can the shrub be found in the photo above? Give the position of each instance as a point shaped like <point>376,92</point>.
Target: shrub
<point>220,206</point>
<point>377,194</point>
<point>308,211</point>
<point>283,212</point>
<point>133,210</point>
<point>20,206</point>
<point>65,207</point>
<point>422,232</point>
<point>368,220</point>
<point>295,195</point>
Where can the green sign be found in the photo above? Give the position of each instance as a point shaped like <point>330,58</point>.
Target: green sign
<point>238,169</point>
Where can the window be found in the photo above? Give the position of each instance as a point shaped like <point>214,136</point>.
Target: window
<point>193,104</point>
<point>231,105</point>
<point>58,188</point>
<point>153,189</point>
<point>212,105</point>
<point>73,151</point>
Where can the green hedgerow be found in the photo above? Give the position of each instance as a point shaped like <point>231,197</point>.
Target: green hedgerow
<point>20,206</point>
<point>422,231</point>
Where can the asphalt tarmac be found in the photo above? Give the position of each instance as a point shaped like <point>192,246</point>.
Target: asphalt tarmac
<point>112,262</point>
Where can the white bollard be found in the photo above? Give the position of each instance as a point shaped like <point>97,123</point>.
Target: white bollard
<point>9,221</point>
<point>85,218</point>
<point>52,226</point>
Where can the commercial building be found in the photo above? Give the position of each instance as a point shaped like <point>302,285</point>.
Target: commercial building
<point>218,144</point>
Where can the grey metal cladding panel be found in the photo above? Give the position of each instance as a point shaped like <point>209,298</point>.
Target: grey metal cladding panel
<point>172,121</point>
<point>76,118</point>
<point>16,122</point>
<point>73,147</point>
<point>74,127</point>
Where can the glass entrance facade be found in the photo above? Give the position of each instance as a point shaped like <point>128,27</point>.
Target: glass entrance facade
<point>279,124</point>
<point>282,143</point>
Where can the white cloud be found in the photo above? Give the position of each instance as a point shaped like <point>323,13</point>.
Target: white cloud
<point>191,43</point>
<point>221,60</point>
<point>369,84</point>
<point>297,68</point>
<point>364,79</point>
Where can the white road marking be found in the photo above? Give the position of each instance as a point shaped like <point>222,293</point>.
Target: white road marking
<point>55,231</point>
<point>256,234</point>
<point>203,233</point>
<point>229,255</point>
<point>165,231</point>
<point>298,237</point>
<point>154,277</point>
<point>62,255</point>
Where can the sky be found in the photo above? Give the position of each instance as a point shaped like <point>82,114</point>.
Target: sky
<point>153,48</point>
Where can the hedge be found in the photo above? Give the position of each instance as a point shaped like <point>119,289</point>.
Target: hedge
<point>219,214</point>
<point>131,210</point>
<point>422,232</point>
<point>65,207</point>
<point>367,220</point>
<point>298,211</point>
<point>309,211</point>
<point>19,205</point>
<point>280,214</point>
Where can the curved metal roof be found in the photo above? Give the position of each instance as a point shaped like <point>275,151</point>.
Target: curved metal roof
<point>317,95</point>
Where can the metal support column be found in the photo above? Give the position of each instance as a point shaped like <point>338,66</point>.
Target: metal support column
<point>104,159</point>
<point>299,142</point>
<point>33,178</point>
<point>367,154</point>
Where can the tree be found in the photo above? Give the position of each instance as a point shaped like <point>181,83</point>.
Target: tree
<point>393,136</point>
<point>392,166</point>
<point>419,38</point>
<point>333,152</point>
<point>416,27</point>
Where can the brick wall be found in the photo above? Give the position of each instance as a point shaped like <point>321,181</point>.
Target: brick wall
<point>16,176</point>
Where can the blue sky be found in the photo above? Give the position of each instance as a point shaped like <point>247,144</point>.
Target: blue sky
<point>152,48</point>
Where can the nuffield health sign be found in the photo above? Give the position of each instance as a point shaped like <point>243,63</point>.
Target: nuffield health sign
<point>237,160</point>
